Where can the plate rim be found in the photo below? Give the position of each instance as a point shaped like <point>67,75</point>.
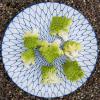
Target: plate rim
<point>39,2</point>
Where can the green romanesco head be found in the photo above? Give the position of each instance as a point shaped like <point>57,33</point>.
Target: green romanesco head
<point>50,51</point>
<point>59,25</point>
<point>49,75</point>
<point>28,56</point>
<point>31,40</point>
<point>71,48</point>
<point>43,43</point>
<point>72,70</point>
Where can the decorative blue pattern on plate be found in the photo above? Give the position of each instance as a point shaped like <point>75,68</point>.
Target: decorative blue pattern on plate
<point>39,16</point>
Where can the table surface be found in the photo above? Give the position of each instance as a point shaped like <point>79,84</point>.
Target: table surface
<point>90,90</point>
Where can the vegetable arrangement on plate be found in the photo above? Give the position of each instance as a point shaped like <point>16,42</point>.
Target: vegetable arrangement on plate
<point>59,26</point>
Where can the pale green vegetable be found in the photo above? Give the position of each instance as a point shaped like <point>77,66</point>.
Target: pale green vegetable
<point>49,75</point>
<point>28,56</point>
<point>31,40</point>
<point>43,43</point>
<point>50,51</point>
<point>72,70</point>
<point>59,25</point>
<point>71,48</point>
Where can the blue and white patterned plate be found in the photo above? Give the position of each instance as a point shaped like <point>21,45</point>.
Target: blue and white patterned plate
<point>39,16</point>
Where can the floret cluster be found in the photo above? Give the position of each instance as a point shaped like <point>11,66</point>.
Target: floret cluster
<point>59,27</point>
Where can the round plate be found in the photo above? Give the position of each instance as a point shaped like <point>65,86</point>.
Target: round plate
<point>39,16</point>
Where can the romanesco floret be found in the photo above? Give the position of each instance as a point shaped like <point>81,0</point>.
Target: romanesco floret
<point>60,25</point>
<point>28,56</point>
<point>72,70</point>
<point>50,51</point>
<point>31,40</point>
<point>43,43</point>
<point>49,75</point>
<point>71,48</point>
